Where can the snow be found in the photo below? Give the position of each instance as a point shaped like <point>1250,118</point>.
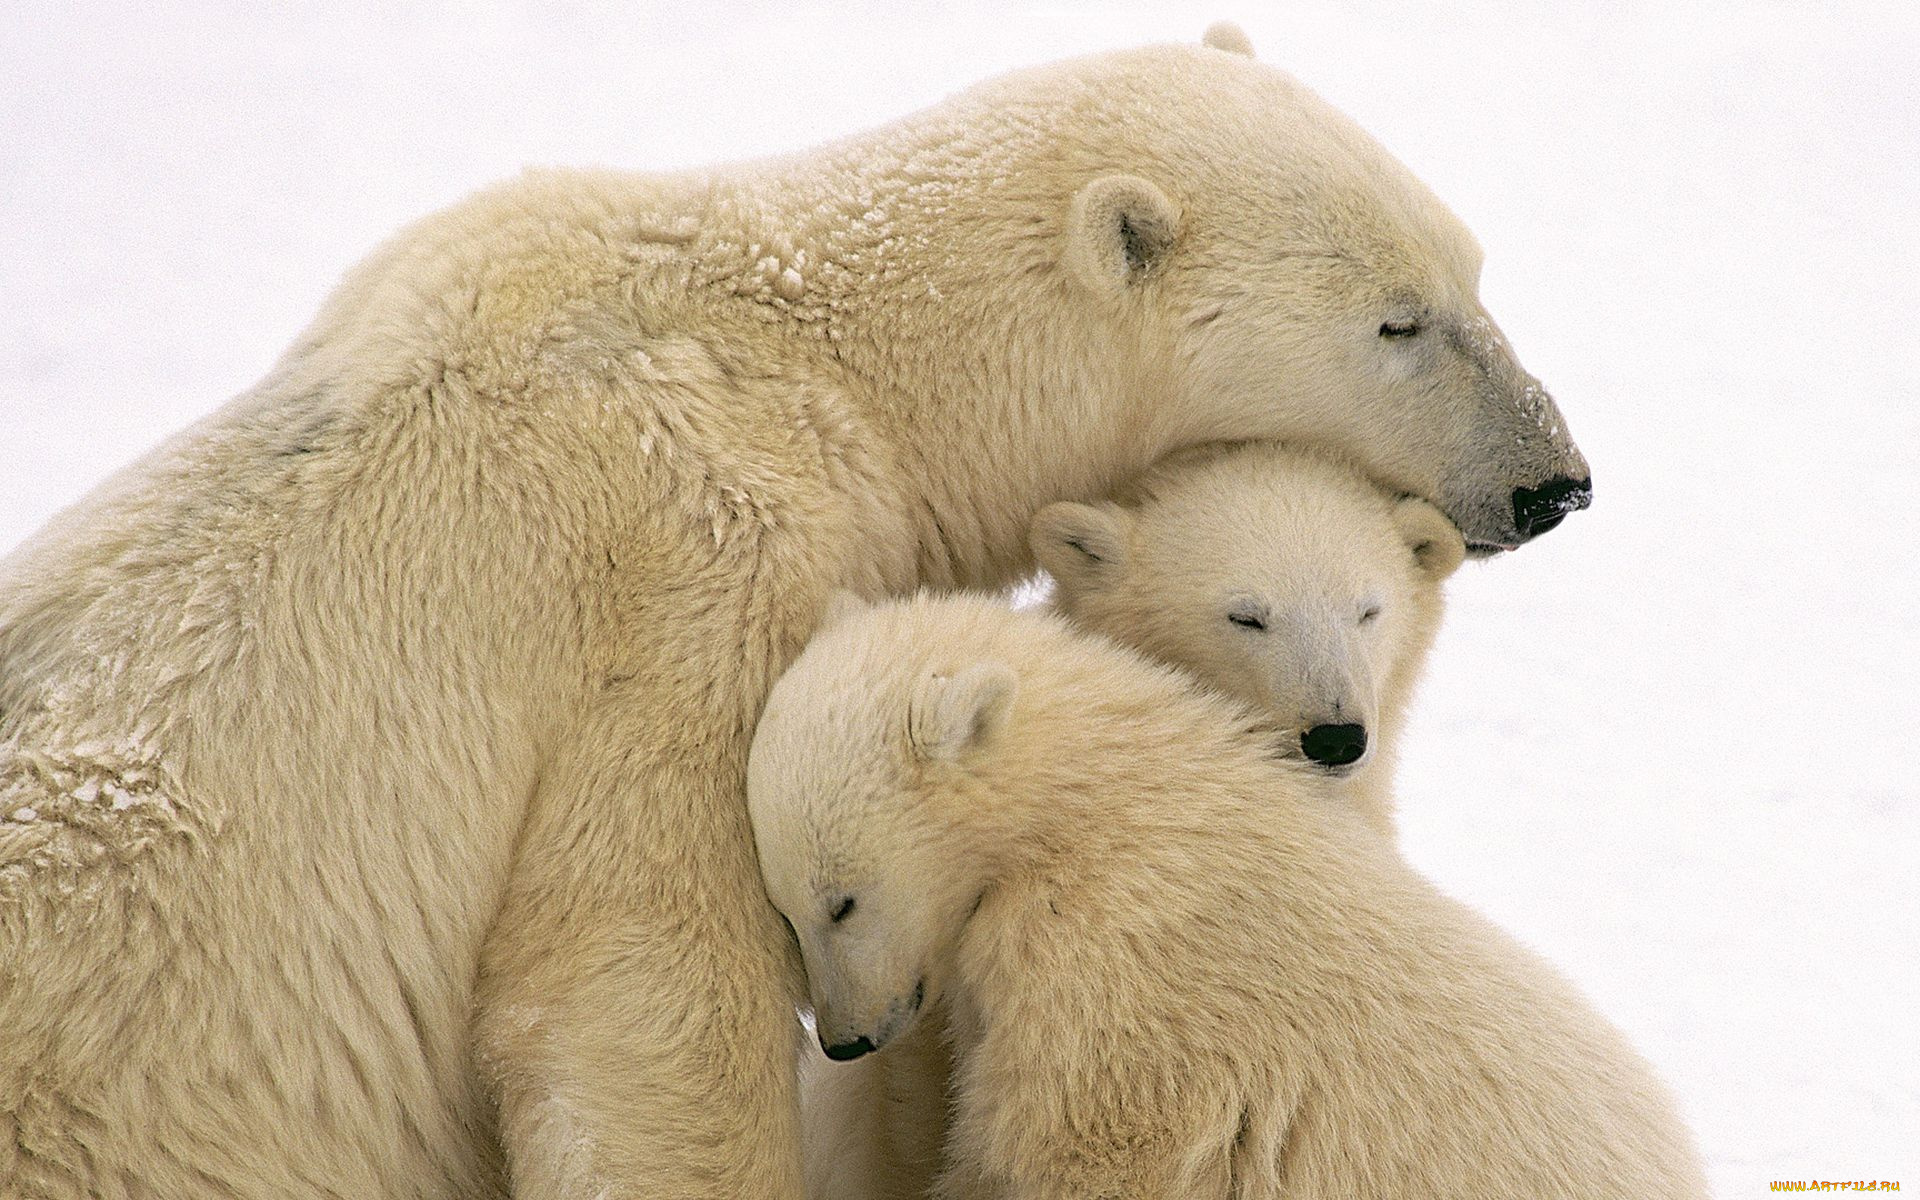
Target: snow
<point>1671,745</point>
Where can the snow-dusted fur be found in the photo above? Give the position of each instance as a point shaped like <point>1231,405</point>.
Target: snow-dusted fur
<point>1171,965</point>
<point>371,754</point>
<point>1279,576</point>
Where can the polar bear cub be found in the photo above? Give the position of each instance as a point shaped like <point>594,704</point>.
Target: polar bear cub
<point>1169,967</point>
<point>1282,577</point>
<point>1276,575</point>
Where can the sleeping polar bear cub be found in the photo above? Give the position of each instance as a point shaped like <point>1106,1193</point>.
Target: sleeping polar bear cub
<point>1167,965</point>
<point>1277,576</point>
<point>1283,578</point>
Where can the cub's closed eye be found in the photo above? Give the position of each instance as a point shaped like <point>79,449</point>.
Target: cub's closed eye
<point>1399,329</point>
<point>1369,614</point>
<point>1247,620</point>
<point>841,910</point>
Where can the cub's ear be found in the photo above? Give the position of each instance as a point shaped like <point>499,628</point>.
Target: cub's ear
<point>1080,545</point>
<point>841,605</point>
<point>1119,229</point>
<point>952,717</point>
<point>1437,546</point>
<point>1225,35</point>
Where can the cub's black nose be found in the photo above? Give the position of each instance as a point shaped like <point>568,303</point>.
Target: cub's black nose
<point>1536,510</point>
<point>849,1050</point>
<point>1334,745</point>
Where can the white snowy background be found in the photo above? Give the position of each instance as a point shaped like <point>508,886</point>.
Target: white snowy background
<point>1671,746</point>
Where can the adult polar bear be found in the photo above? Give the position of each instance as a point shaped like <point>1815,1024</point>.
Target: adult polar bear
<point>371,755</point>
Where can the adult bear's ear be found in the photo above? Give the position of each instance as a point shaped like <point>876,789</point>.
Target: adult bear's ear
<point>1225,35</point>
<point>1120,228</point>
<point>1437,545</point>
<point>952,717</point>
<point>1080,545</point>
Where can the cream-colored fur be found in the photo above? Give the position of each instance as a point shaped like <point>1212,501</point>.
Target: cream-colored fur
<point>1279,576</point>
<point>371,754</point>
<point>1295,542</point>
<point>1171,965</point>
<point>1258,528</point>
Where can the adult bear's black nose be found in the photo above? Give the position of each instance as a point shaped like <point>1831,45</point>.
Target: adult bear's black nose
<point>1536,510</point>
<point>849,1050</point>
<point>1334,745</point>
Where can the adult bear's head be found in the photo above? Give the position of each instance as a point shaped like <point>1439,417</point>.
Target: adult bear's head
<point>1263,250</point>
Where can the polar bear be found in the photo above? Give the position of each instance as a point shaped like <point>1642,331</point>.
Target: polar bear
<point>1168,965</point>
<point>372,754</point>
<point>1281,576</point>
<point>1273,574</point>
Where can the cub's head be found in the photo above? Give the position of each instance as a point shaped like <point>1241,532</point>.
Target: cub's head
<point>1281,578</point>
<point>860,787</point>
